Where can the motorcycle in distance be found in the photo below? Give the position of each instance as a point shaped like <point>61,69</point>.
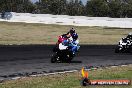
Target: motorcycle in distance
<point>62,54</point>
<point>124,46</point>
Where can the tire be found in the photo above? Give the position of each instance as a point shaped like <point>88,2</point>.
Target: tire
<point>117,49</point>
<point>129,49</point>
<point>54,58</point>
<point>69,59</point>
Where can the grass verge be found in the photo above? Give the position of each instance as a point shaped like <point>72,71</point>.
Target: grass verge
<point>23,33</point>
<point>71,80</point>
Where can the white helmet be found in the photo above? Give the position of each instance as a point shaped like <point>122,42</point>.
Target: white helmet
<point>129,35</point>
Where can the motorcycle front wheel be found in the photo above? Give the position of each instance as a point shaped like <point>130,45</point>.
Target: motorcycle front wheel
<point>68,58</point>
<point>54,58</point>
<point>117,49</point>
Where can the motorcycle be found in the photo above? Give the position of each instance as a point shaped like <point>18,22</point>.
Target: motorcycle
<point>124,46</point>
<point>62,54</point>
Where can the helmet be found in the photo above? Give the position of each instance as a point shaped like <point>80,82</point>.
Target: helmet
<point>130,33</point>
<point>129,36</point>
<point>75,36</point>
<point>72,30</point>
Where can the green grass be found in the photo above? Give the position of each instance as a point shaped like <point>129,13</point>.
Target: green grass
<point>22,33</point>
<point>71,80</point>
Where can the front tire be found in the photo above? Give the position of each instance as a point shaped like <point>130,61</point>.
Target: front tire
<point>54,58</point>
<point>117,49</point>
<point>69,57</point>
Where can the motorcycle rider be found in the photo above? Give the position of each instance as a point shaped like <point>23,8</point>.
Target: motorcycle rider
<point>129,37</point>
<point>63,37</point>
<point>75,43</point>
<point>72,30</point>
<point>69,40</point>
<point>66,36</point>
<point>72,45</point>
<point>125,44</point>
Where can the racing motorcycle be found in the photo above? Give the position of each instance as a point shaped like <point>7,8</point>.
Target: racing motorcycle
<point>62,54</point>
<point>124,46</point>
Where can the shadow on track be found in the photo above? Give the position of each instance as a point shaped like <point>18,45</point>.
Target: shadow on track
<point>76,62</point>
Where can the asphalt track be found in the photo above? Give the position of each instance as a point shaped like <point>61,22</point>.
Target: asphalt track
<point>35,59</point>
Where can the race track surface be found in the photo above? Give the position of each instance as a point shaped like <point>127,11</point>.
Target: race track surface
<point>35,59</point>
